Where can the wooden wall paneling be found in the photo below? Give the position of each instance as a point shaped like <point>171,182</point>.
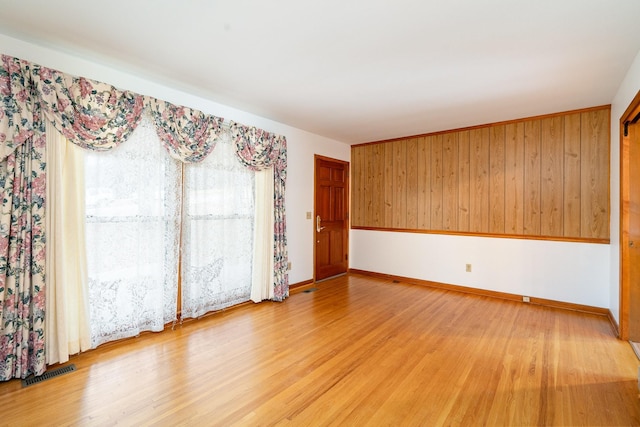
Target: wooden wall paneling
<point>543,177</point>
<point>400,184</point>
<point>354,190</point>
<point>497,167</point>
<point>412,183</point>
<point>424,183</point>
<point>358,176</point>
<point>532,177</point>
<point>377,188</point>
<point>604,164</point>
<point>450,181</point>
<point>369,164</point>
<point>595,174</point>
<point>436,182</point>
<point>514,178</point>
<point>552,176</point>
<point>464,182</point>
<point>479,180</point>
<point>572,168</point>
<point>388,185</point>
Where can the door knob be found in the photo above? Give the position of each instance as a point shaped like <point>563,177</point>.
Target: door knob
<point>318,220</point>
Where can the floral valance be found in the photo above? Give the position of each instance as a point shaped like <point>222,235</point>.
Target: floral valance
<point>92,114</point>
<point>258,149</point>
<point>189,135</point>
<point>17,112</point>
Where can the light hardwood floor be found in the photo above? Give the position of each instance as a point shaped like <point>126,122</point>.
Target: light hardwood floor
<point>358,351</point>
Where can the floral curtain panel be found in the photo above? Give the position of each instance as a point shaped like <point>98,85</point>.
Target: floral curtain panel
<point>22,223</point>
<point>257,150</point>
<point>95,116</point>
<point>22,262</point>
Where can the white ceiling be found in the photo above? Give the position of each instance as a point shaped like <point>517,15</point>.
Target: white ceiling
<point>355,70</point>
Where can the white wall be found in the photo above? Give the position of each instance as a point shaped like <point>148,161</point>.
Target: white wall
<point>627,91</point>
<point>301,145</point>
<point>561,271</point>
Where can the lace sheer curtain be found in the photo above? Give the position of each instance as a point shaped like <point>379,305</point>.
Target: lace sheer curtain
<point>217,240</point>
<point>133,235</point>
<point>133,222</point>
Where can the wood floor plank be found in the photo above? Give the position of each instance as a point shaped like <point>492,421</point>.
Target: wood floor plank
<point>357,351</point>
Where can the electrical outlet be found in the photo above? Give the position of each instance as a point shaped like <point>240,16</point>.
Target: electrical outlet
<point>468,268</point>
<point>526,299</point>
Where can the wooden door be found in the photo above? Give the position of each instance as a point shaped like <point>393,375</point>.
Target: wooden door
<point>630,223</point>
<point>633,243</point>
<point>331,223</point>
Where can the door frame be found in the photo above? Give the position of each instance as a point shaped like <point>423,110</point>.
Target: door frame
<point>625,285</point>
<point>317,157</point>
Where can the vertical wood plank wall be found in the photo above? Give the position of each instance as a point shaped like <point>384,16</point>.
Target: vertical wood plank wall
<point>544,177</point>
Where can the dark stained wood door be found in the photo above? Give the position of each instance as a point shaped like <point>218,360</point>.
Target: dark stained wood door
<point>331,223</point>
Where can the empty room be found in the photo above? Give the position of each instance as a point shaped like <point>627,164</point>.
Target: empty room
<point>320,213</point>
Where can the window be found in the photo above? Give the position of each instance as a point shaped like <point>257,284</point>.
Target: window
<point>134,233</point>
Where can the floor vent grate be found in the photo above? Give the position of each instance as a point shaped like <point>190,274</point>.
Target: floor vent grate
<point>308,291</point>
<point>396,281</point>
<point>48,375</point>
